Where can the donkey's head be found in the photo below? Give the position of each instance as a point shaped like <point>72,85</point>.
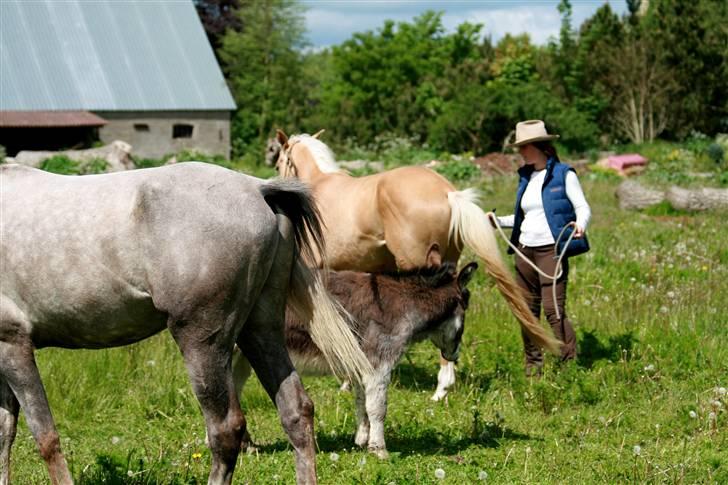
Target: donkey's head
<point>445,326</point>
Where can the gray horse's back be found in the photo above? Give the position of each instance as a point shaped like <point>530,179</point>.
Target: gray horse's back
<point>102,260</point>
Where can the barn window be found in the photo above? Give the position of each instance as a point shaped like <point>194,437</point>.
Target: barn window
<point>141,127</point>
<point>182,131</point>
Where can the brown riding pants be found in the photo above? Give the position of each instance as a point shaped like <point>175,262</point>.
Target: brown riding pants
<point>538,291</point>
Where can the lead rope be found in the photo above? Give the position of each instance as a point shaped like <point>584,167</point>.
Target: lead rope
<point>557,272</point>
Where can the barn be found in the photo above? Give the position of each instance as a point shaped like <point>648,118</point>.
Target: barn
<point>73,73</point>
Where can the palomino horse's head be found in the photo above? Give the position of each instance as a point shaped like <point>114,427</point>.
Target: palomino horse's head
<point>299,155</point>
<point>447,331</point>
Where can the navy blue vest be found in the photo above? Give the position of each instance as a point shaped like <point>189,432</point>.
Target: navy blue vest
<point>557,206</point>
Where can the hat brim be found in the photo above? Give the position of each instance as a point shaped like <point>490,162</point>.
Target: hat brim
<point>532,140</point>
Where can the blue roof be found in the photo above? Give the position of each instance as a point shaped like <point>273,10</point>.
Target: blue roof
<point>107,56</point>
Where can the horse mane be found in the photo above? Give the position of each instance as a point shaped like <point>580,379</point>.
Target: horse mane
<point>321,153</point>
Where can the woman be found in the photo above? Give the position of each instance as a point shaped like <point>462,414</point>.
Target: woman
<point>549,197</point>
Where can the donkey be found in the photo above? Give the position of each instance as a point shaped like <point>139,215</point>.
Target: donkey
<point>388,313</point>
<point>391,221</point>
<point>210,254</point>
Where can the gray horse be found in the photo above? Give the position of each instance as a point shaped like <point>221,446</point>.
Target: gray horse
<point>210,254</point>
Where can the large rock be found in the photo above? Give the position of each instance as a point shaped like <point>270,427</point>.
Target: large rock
<point>632,195</point>
<point>117,154</point>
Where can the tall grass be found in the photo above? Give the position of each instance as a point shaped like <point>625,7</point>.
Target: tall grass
<point>650,305</point>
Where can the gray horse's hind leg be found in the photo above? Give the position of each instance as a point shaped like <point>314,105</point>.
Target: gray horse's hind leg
<point>17,366</point>
<point>241,373</point>
<point>208,365</point>
<point>9,408</point>
<point>263,344</point>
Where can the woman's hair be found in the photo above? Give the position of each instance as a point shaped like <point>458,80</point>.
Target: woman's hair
<point>547,148</point>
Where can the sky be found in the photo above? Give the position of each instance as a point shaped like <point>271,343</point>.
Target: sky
<point>331,22</point>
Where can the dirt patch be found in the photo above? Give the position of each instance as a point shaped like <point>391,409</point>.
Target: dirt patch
<point>497,163</point>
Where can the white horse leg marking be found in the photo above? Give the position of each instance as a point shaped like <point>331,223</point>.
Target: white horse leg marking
<point>376,405</point>
<point>445,380</point>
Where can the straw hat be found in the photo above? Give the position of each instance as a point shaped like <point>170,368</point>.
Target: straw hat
<point>529,132</point>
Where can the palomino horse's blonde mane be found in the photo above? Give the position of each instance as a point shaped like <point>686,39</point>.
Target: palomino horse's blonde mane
<point>322,154</point>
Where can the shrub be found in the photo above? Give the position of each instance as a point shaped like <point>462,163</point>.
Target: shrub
<point>458,171</point>
<point>716,153</point>
<point>61,164</point>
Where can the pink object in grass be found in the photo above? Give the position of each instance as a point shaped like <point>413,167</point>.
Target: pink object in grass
<point>620,162</point>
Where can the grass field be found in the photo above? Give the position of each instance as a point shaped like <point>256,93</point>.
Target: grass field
<point>645,402</point>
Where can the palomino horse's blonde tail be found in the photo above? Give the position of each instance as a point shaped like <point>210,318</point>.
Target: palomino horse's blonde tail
<point>307,295</point>
<point>311,303</point>
<point>470,225</point>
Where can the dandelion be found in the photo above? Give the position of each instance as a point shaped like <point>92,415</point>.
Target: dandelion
<point>649,368</point>
<point>704,268</point>
<point>196,456</point>
<point>115,440</point>
<point>633,279</point>
<point>693,414</point>
<point>482,475</point>
<point>362,461</point>
<point>334,457</point>
<point>637,450</point>
<point>129,473</point>
<point>440,474</point>
<point>717,404</point>
<point>664,309</point>
<point>721,391</point>
<point>151,363</point>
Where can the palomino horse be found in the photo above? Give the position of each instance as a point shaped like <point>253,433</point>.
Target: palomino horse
<point>389,312</point>
<point>210,254</point>
<point>405,218</point>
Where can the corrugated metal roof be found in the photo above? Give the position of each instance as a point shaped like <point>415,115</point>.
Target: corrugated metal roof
<point>47,119</point>
<point>107,56</point>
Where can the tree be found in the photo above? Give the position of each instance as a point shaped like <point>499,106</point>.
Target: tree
<point>217,16</point>
<point>263,64</point>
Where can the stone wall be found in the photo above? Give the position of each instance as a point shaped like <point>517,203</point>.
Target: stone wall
<point>155,134</point>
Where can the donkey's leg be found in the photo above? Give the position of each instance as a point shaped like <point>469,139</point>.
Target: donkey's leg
<point>9,408</point>
<point>17,366</point>
<point>208,362</point>
<point>376,404</point>
<point>362,431</point>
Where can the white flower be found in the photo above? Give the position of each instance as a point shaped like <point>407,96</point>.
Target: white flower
<point>649,368</point>
<point>711,416</point>
<point>717,404</point>
<point>721,391</point>
<point>334,457</point>
<point>362,461</point>
<point>633,279</point>
<point>693,414</point>
<point>671,294</point>
<point>115,440</point>
<point>440,474</point>
<point>664,309</point>
<point>637,450</point>
<point>482,475</point>
<point>151,363</point>
<point>129,473</point>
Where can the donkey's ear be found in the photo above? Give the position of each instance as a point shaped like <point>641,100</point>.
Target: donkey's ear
<point>433,258</point>
<point>281,137</point>
<point>318,133</point>
<point>466,274</point>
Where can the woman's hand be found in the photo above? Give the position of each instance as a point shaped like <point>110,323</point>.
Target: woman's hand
<point>578,232</point>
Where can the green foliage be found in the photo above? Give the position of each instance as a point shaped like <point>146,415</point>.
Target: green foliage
<point>3,154</point>
<point>458,170</point>
<point>264,68</point>
<point>716,152</point>
<point>63,165</point>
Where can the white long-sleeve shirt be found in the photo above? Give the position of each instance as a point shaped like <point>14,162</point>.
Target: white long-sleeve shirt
<point>535,229</point>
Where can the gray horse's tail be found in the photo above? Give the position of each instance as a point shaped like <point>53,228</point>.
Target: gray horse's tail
<point>307,295</point>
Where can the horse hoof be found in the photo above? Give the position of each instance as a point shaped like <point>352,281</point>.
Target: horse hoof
<point>380,453</point>
<point>439,395</point>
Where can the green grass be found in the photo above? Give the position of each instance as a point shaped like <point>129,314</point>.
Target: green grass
<point>650,305</point>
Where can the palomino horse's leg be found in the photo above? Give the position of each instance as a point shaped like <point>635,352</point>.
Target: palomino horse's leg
<point>17,366</point>
<point>376,404</point>
<point>362,431</point>
<point>9,408</point>
<point>208,365</point>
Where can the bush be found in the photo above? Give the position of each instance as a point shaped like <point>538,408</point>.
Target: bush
<point>3,154</point>
<point>716,153</point>
<point>63,165</point>
<point>458,171</point>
